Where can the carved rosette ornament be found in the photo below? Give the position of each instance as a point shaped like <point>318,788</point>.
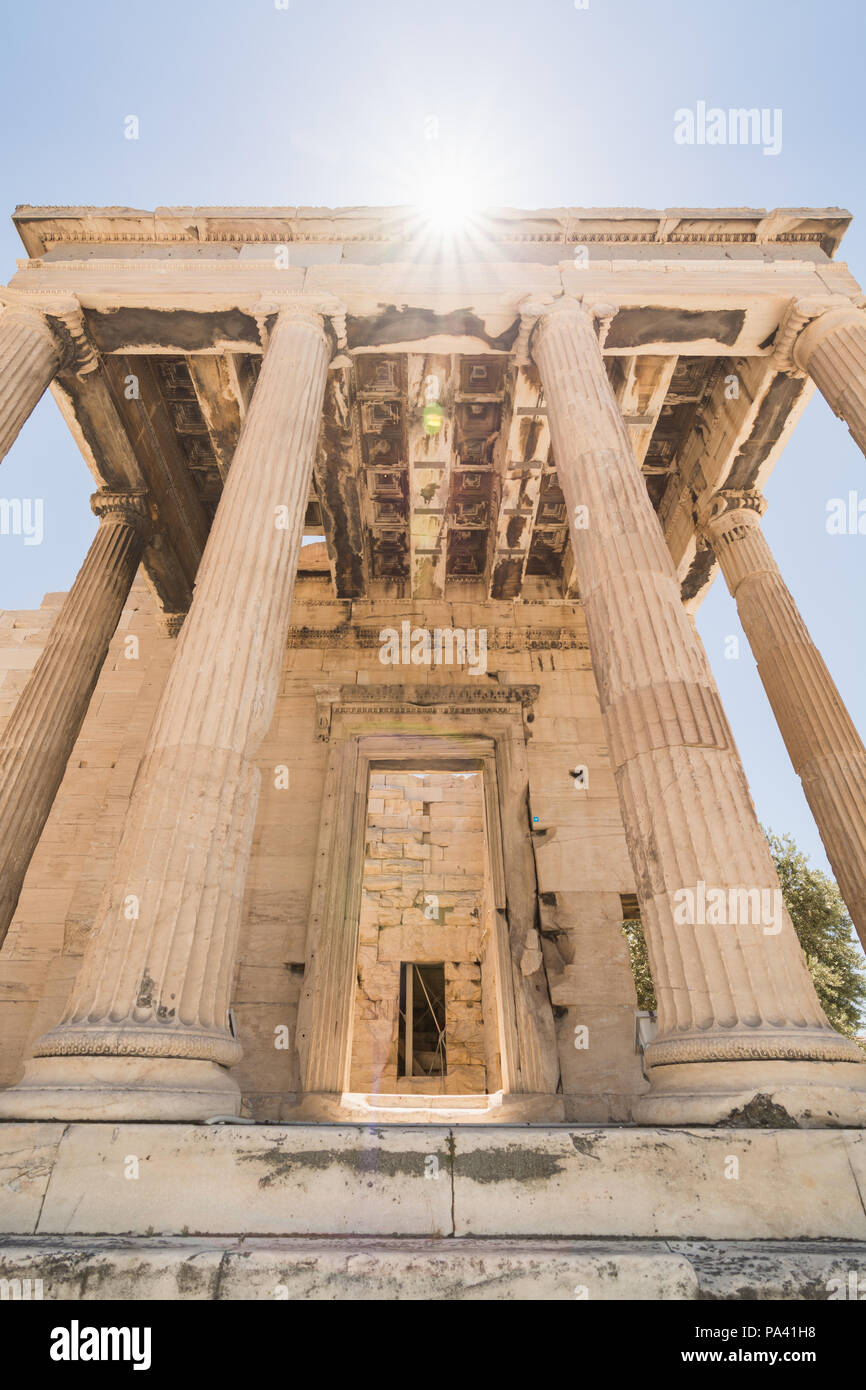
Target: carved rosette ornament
<point>823,744</point>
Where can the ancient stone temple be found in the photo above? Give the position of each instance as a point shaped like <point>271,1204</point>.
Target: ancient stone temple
<point>375,709</point>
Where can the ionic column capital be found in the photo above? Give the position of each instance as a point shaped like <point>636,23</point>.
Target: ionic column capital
<point>731,524</point>
<point>748,504</point>
<point>60,319</point>
<point>318,314</point>
<point>829,321</point>
<point>129,507</point>
<point>538,313</point>
<point>29,312</point>
<point>805,323</point>
<point>826,339</point>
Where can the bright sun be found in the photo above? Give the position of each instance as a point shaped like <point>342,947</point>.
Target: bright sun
<point>448,204</point>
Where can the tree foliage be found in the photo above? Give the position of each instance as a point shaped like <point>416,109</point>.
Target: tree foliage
<point>823,929</point>
<point>825,933</point>
<point>637,952</point>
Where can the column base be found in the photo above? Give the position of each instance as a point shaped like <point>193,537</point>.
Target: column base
<point>120,1088</point>
<point>775,1095</point>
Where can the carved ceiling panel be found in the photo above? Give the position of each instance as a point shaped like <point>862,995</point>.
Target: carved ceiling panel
<point>467,496</point>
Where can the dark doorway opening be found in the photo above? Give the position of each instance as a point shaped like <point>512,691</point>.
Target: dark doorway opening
<point>421,1036</point>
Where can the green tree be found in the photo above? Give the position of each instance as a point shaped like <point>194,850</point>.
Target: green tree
<point>824,931</point>
<point>637,954</point>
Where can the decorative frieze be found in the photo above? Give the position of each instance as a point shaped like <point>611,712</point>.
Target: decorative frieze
<point>409,699</point>
<point>504,639</point>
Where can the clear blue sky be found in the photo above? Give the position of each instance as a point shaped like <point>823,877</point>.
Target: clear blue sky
<point>539,104</point>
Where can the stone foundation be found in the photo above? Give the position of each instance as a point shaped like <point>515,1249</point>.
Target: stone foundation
<point>507,1181</point>
<point>128,1269</point>
<point>516,1212</point>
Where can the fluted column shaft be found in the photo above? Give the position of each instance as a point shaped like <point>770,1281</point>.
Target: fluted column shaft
<point>30,354</point>
<point>726,991</point>
<point>157,972</point>
<point>832,349</point>
<point>823,744</point>
<point>39,737</point>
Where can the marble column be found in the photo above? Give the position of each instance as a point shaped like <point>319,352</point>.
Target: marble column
<point>823,744</point>
<point>146,1034</point>
<point>36,743</point>
<point>831,349</point>
<point>30,355</point>
<point>741,1031</point>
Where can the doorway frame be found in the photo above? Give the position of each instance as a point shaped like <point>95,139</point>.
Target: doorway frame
<point>491,741</point>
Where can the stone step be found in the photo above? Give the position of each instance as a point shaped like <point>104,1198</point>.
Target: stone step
<point>414,1107</point>
<point>431,1180</point>
<point>140,1269</point>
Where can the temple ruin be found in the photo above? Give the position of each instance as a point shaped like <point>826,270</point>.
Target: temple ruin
<point>378,703</point>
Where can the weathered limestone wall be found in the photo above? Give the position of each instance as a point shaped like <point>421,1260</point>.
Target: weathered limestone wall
<point>580,852</point>
<point>423,901</point>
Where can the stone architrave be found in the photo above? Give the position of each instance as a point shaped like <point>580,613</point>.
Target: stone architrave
<point>823,744</point>
<point>36,743</point>
<point>146,1030</point>
<point>738,1014</point>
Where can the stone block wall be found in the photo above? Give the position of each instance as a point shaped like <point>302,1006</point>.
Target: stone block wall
<point>422,901</point>
<point>580,856</point>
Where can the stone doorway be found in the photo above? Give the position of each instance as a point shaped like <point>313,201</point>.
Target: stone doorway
<point>425,1011</point>
<point>504,1061</point>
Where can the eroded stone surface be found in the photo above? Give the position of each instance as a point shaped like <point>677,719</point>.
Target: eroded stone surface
<point>507,1181</point>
